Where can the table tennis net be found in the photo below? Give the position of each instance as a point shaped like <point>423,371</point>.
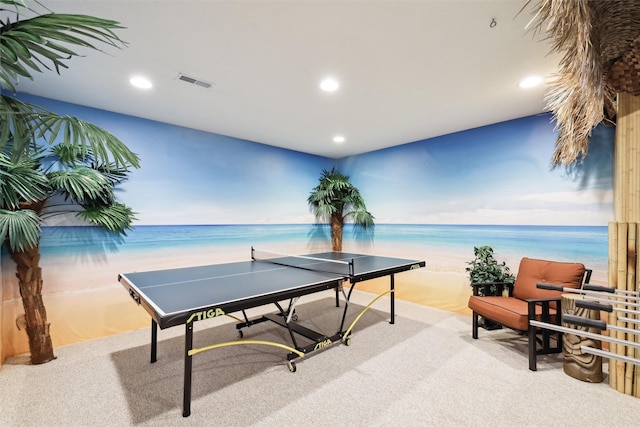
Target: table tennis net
<point>332,266</point>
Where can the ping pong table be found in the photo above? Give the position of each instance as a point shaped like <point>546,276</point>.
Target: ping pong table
<point>185,295</point>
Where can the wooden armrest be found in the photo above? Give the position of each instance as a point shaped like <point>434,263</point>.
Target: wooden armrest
<point>546,306</point>
<point>547,300</point>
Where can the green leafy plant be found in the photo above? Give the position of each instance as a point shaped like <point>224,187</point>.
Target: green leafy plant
<point>484,268</point>
<point>51,165</point>
<point>337,200</point>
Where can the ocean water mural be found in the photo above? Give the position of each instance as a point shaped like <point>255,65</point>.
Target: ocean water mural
<point>586,244</point>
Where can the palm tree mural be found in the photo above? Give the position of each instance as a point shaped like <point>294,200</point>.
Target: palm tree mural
<point>337,200</point>
<point>51,165</point>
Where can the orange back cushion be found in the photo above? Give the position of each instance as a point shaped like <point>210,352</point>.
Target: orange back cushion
<point>533,271</point>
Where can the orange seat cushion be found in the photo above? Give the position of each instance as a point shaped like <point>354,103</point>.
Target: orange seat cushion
<point>508,311</point>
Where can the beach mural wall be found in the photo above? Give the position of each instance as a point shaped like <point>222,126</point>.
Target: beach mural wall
<point>438,198</point>
<point>203,198</point>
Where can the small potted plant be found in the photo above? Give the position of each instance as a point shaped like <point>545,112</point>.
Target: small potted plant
<point>484,268</point>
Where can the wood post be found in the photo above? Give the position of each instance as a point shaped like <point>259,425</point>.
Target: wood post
<point>626,175</point>
<point>624,236</point>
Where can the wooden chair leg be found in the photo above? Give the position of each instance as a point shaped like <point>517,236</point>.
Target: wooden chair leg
<point>474,327</point>
<point>533,365</point>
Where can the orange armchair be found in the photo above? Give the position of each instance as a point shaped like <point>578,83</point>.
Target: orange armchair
<point>527,302</point>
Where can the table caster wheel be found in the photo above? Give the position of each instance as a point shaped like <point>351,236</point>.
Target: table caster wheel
<point>291,366</point>
<point>347,342</point>
<point>240,333</point>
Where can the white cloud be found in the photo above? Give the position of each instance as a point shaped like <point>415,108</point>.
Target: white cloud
<point>510,217</point>
<point>580,197</point>
<point>213,213</point>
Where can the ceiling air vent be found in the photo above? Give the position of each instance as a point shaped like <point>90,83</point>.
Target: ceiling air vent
<point>194,81</point>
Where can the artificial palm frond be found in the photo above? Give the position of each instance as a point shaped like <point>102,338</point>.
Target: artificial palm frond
<point>85,138</point>
<point>69,155</point>
<point>80,184</point>
<point>27,45</point>
<point>116,217</point>
<point>21,181</point>
<point>114,174</point>
<point>21,229</point>
<point>23,124</point>
<point>17,127</point>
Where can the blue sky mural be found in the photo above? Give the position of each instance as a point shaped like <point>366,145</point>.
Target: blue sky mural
<point>196,178</point>
<point>498,174</point>
<point>193,177</point>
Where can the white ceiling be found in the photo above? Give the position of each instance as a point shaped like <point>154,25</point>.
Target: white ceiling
<point>409,70</point>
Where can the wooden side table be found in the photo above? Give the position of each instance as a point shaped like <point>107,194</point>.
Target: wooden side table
<point>583,366</point>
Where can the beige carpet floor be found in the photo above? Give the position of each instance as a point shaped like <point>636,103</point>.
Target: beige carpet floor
<point>425,370</point>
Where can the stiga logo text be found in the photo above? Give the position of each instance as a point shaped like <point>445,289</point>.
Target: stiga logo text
<point>323,344</point>
<point>205,314</point>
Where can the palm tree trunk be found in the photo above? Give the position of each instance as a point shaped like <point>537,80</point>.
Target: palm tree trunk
<point>29,276</point>
<point>337,223</point>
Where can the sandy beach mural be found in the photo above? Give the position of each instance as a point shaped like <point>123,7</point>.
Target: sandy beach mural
<point>204,198</point>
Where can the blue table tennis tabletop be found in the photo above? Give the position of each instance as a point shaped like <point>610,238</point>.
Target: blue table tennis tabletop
<point>186,295</point>
<point>172,296</point>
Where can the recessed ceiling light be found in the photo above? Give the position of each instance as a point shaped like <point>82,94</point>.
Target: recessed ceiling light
<point>329,85</point>
<point>338,139</point>
<point>141,82</point>
<point>530,82</point>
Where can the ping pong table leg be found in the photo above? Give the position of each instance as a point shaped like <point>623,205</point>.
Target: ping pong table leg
<point>393,300</point>
<point>154,341</point>
<point>188,344</point>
